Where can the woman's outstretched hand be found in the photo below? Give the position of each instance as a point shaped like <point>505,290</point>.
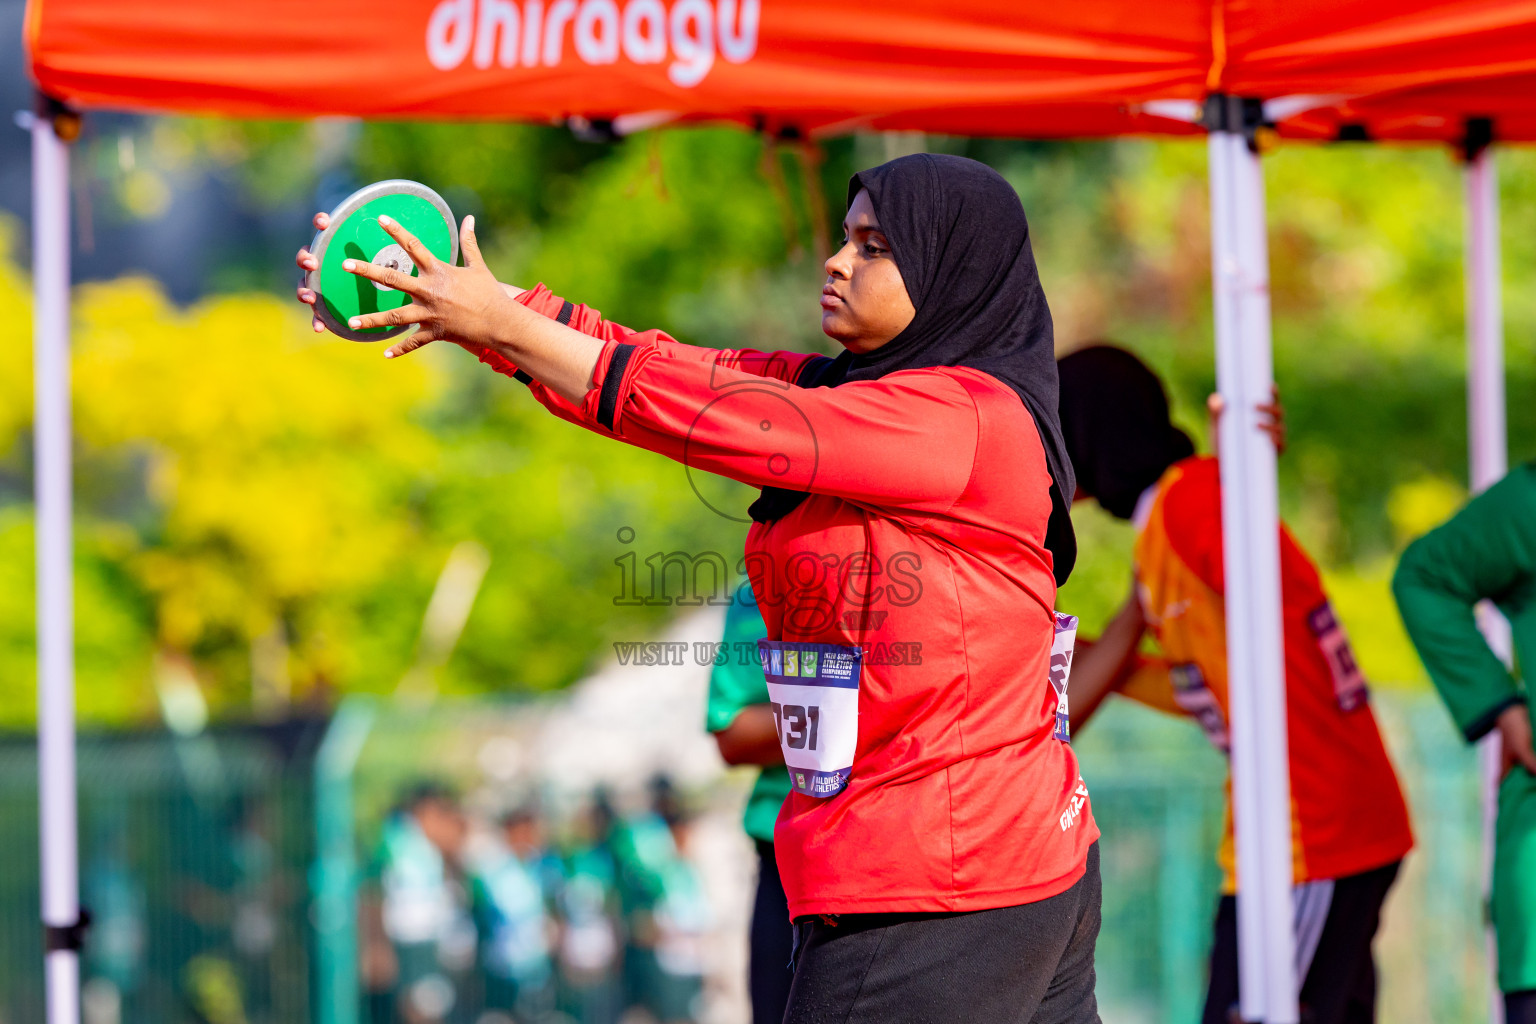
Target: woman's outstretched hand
<point>465,305</point>
<point>306,260</point>
<point>469,307</point>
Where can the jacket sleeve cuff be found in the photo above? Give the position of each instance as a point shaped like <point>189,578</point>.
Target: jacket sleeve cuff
<point>613,379</point>
<point>1484,723</point>
<point>501,364</point>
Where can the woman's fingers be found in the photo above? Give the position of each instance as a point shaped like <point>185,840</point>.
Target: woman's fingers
<point>469,245</point>
<point>397,317</point>
<point>420,254</point>
<point>385,276</point>
<point>411,344</point>
<point>306,261</point>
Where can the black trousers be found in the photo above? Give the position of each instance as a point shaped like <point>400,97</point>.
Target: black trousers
<point>1520,1007</point>
<point>772,942</point>
<point>1340,981</point>
<point>1030,964</point>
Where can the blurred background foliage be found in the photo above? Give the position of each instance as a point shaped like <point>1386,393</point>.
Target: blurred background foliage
<point>266,511</point>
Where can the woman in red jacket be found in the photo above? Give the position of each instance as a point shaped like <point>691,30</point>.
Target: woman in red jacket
<point>938,851</point>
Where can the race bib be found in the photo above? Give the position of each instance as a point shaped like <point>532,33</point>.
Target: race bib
<point>1061,669</point>
<point>814,692</point>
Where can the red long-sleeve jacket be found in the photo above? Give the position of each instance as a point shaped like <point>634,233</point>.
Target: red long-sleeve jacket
<point>923,542</point>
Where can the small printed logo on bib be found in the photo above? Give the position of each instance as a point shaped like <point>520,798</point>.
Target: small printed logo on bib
<point>813,690</point>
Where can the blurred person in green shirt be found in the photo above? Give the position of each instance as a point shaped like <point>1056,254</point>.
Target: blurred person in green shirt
<point>588,948</point>
<point>511,902</point>
<point>421,906</point>
<point>643,849</point>
<point>739,717</point>
<point>682,921</point>
<point>1487,551</point>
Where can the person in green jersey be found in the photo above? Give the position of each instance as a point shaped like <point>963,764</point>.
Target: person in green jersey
<point>739,717</point>
<point>1487,551</point>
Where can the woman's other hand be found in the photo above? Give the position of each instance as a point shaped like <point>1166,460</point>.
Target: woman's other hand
<point>307,262</point>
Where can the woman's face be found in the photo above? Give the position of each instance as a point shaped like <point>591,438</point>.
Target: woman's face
<point>865,302</point>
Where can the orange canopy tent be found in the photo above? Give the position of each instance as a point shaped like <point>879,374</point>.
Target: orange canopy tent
<point>1405,69</point>
<point>1004,67</point>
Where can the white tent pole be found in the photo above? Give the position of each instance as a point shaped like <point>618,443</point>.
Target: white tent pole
<point>1485,324</point>
<point>1245,794</point>
<point>1487,443</point>
<point>1251,533</point>
<point>55,567</point>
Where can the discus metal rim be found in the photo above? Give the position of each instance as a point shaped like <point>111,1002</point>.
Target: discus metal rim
<point>346,208</point>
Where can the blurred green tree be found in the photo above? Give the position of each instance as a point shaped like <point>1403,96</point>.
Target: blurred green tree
<point>273,507</point>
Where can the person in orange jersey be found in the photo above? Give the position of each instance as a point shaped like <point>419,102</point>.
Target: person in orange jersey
<point>1350,823</point>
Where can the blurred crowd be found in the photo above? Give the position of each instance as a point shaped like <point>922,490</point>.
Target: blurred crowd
<point>594,916</point>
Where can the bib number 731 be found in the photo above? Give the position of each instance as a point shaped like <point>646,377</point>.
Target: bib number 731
<point>813,690</point>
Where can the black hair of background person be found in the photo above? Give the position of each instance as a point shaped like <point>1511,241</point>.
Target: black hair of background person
<point>1115,417</point>
<point>959,235</point>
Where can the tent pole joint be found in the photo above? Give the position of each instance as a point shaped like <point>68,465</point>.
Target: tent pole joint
<point>67,937</point>
<point>1479,136</point>
<point>64,118</point>
<point>1240,115</point>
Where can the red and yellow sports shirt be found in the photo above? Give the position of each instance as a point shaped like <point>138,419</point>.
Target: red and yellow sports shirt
<point>1347,810</point>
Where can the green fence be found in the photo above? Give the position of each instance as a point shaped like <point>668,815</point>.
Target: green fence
<point>193,861</point>
<point>224,869</point>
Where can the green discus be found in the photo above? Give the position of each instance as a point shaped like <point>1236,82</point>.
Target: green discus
<point>354,233</point>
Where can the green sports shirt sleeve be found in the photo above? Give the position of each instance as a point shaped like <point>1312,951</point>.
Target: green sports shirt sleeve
<point>1487,550</point>
<point>736,683</point>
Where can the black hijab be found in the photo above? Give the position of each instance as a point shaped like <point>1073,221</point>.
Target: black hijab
<point>959,236</point>
<point>1114,415</point>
